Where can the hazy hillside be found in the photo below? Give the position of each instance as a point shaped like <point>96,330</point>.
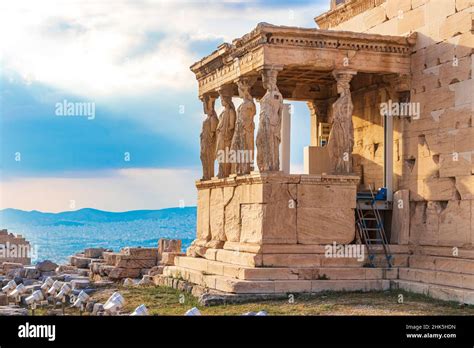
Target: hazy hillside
<point>88,215</point>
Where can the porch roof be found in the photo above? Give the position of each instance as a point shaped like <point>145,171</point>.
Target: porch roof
<point>305,56</point>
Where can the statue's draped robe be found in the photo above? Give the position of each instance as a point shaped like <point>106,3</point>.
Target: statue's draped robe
<point>341,138</point>
<point>208,145</point>
<point>269,131</point>
<point>244,137</point>
<point>225,133</point>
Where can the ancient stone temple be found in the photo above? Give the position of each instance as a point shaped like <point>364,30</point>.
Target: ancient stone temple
<point>389,89</point>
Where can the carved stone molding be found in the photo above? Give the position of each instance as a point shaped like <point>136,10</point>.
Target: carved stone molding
<point>343,13</point>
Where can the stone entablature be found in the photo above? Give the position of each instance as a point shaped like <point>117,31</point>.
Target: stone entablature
<point>268,46</point>
<point>344,12</point>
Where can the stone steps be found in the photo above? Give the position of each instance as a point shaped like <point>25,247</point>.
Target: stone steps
<point>307,256</point>
<point>280,273</point>
<point>238,286</point>
<point>441,292</point>
<point>464,281</point>
<point>442,263</point>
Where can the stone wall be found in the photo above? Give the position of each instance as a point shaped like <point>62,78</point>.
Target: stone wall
<point>263,208</point>
<point>436,150</point>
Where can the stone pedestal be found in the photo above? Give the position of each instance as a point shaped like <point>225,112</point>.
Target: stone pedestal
<point>274,208</point>
<point>268,233</point>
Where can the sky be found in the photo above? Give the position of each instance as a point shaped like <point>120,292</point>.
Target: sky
<point>136,145</point>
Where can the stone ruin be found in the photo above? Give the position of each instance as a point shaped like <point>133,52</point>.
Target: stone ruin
<point>87,272</point>
<point>265,232</point>
<point>14,248</point>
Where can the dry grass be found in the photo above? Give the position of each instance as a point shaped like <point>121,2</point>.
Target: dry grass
<point>166,301</point>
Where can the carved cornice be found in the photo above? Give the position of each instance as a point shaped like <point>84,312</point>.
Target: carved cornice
<point>343,13</point>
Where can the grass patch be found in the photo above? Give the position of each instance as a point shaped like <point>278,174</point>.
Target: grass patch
<point>168,301</point>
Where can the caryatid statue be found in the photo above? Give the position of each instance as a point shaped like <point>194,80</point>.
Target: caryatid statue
<point>269,128</point>
<point>243,142</point>
<point>208,137</point>
<point>341,137</point>
<point>225,133</point>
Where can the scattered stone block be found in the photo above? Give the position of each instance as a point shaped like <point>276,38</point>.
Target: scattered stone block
<point>8,266</point>
<point>93,252</point>
<point>167,258</point>
<point>3,300</point>
<point>46,266</point>
<point>155,270</point>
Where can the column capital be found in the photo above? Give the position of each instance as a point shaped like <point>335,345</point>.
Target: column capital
<point>226,90</point>
<point>344,75</point>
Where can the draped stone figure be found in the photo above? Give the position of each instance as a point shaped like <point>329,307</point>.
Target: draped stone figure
<point>208,138</point>
<point>225,133</point>
<point>341,137</point>
<point>269,128</point>
<point>243,141</point>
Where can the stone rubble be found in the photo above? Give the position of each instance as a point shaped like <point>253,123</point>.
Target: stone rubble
<point>87,272</point>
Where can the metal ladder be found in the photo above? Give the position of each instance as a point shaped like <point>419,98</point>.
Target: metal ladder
<point>371,231</point>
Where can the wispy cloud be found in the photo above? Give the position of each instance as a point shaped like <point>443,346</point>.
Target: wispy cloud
<point>126,47</point>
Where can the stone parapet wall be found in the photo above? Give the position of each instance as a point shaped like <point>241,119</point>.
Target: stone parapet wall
<point>263,208</point>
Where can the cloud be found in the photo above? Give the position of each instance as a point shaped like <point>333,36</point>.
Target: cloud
<point>125,189</point>
<point>126,47</point>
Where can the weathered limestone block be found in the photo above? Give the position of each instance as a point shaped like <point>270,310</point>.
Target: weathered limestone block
<point>232,213</point>
<point>326,196</point>
<point>448,72</point>
<point>252,223</point>
<point>141,253</point>
<point>462,4</point>
<point>8,266</point>
<point>203,231</point>
<point>127,261</point>
<point>120,273</point>
<point>396,8</point>
<point>424,225</point>
<point>411,21</point>
<point>455,164</point>
<point>280,223</point>
<point>80,261</point>
<point>454,224</point>
<point>465,187</point>
<point>438,189</point>
<point>400,231</point>
<point>93,252</point>
<point>459,22</point>
<point>216,209</point>
<point>374,16</point>
<point>110,257</point>
<point>325,225</point>
<point>169,257</point>
<point>169,245</point>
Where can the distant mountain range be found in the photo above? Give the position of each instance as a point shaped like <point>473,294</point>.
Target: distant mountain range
<point>88,215</point>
